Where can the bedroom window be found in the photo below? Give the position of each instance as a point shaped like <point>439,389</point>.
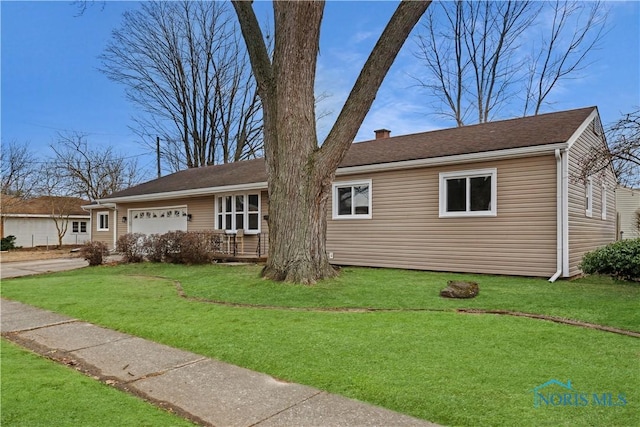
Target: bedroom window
<point>103,221</point>
<point>468,193</point>
<point>238,212</point>
<point>588,197</point>
<point>352,200</point>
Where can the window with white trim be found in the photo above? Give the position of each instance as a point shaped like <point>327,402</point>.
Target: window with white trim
<point>603,201</point>
<point>468,193</point>
<point>238,212</point>
<point>588,197</point>
<point>352,200</point>
<point>103,221</point>
<point>79,226</point>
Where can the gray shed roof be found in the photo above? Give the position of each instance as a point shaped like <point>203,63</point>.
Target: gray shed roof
<point>543,129</point>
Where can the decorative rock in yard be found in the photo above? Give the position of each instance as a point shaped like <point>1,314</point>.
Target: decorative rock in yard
<point>457,289</point>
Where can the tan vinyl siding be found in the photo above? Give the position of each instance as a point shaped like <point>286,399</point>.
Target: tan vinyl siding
<point>587,234</point>
<point>406,232</point>
<point>105,237</point>
<point>628,207</point>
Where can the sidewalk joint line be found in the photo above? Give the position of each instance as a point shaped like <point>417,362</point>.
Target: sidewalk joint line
<point>287,408</point>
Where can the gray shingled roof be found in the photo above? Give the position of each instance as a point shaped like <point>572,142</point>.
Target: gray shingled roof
<point>531,131</point>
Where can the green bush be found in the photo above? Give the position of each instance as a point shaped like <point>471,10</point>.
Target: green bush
<point>620,260</point>
<point>94,252</point>
<point>7,243</point>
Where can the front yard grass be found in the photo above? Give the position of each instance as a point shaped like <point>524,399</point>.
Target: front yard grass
<point>443,366</point>
<point>39,392</point>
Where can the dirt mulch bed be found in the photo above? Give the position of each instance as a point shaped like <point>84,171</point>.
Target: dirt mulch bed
<point>38,253</point>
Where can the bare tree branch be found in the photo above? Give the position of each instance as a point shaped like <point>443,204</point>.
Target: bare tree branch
<point>622,152</point>
<point>184,65</point>
<point>88,172</point>
<point>19,170</point>
<point>472,52</point>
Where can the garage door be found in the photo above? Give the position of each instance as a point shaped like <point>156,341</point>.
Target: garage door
<point>158,220</point>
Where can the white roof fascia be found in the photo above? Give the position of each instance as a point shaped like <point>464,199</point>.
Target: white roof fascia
<point>456,159</point>
<point>582,128</point>
<point>26,215</point>
<point>188,193</point>
<point>99,206</point>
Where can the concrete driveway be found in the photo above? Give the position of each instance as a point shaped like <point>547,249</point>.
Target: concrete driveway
<point>27,268</point>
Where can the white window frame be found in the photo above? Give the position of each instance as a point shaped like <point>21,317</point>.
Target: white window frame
<point>335,199</point>
<point>468,174</point>
<point>77,226</point>
<point>603,201</point>
<point>588,198</point>
<point>220,211</point>
<point>100,222</point>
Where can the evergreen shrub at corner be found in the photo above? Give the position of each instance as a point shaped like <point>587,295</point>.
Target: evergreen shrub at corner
<point>620,260</point>
<point>8,243</point>
<point>94,252</point>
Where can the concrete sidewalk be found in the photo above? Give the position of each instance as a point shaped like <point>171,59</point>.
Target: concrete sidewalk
<point>204,390</point>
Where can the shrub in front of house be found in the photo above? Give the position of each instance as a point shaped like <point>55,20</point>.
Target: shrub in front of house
<point>182,247</point>
<point>132,247</point>
<point>94,252</point>
<point>177,247</point>
<point>620,260</point>
<point>8,243</point>
<point>154,248</point>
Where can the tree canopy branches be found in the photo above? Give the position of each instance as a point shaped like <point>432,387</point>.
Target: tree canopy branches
<point>477,67</point>
<point>184,64</point>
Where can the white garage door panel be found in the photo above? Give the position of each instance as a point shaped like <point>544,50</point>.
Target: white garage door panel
<point>158,220</point>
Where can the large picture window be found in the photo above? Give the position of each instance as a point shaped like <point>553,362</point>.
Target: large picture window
<point>352,200</point>
<point>468,193</point>
<point>238,212</point>
<point>103,221</point>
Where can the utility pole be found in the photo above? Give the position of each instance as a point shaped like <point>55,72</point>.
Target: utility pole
<point>158,153</point>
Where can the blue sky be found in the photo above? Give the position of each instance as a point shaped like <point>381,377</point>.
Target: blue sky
<point>50,81</point>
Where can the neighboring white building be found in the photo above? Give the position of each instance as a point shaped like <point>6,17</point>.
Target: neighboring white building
<point>628,208</point>
<point>33,221</point>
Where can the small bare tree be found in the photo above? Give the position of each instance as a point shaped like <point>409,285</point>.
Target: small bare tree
<point>86,172</point>
<point>473,52</point>
<point>56,198</point>
<point>184,64</point>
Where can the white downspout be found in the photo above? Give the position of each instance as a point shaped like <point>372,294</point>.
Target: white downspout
<point>559,218</point>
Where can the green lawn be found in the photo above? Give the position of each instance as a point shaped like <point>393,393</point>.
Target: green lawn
<point>446,367</point>
<point>39,392</point>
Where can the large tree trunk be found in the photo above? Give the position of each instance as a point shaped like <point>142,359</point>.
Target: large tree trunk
<point>298,192</point>
<point>299,171</point>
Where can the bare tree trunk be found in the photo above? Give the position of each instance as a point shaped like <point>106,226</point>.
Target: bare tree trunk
<point>299,171</point>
